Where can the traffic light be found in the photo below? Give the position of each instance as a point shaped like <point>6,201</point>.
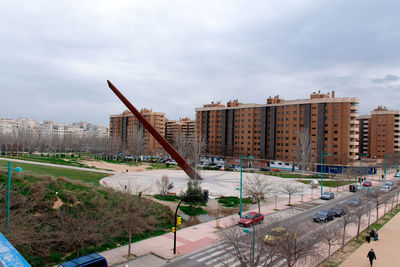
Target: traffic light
<point>173,229</point>
<point>179,221</point>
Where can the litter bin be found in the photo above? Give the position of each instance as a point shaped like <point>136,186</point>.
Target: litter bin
<point>352,188</point>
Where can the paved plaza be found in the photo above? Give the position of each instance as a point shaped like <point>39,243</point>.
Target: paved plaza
<point>219,183</point>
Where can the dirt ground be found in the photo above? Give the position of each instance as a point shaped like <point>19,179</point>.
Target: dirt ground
<point>115,167</point>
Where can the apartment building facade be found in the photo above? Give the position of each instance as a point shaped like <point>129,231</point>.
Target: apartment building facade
<point>272,131</point>
<point>364,123</point>
<point>384,133</point>
<point>125,129</point>
<point>184,128</point>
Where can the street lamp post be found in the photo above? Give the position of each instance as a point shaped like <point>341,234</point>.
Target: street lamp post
<point>17,169</point>
<point>322,168</point>
<point>361,155</point>
<point>241,180</point>
<point>247,231</point>
<point>385,164</point>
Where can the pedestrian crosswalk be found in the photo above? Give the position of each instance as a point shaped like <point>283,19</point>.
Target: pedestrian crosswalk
<point>221,255</point>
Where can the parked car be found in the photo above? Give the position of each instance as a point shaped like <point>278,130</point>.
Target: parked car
<point>251,218</point>
<point>354,187</point>
<point>328,195</point>
<point>275,235</point>
<point>367,183</point>
<point>323,216</point>
<point>91,260</point>
<point>354,201</point>
<point>385,188</point>
<point>265,169</point>
<point>338,210</point>
<point>390,184</point>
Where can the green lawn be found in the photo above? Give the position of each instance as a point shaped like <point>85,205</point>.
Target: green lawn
<point>84,176</point>
<point>69,161</point>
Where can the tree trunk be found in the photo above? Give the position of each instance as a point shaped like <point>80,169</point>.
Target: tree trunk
<point>129,245</point>
<point>344,236</point>
<point>358,227</point>
<point>329,255</point>
<point>259,206</point>
<point>377,213</point>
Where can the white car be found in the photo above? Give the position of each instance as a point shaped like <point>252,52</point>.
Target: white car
<point>385,188</point>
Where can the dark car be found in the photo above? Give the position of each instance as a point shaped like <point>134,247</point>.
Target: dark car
<point>354,201</point>
<point>91,260</point>
<point>354,187</point>
<point>328,195</point>
<point>250,219</point>
<point>323,216</point>
<point>367,183</point>
<point>265,169</point>
<point>338,210</point>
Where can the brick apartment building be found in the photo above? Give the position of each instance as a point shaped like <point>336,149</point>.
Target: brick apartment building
<point>364,123</point>
<point>383,133</point>
<point>185,128</point>
<point>271,131</point>
<point>125,126</point>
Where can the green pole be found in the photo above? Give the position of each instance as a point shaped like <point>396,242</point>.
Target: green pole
<point>254,233</point>
<point>241,174</point>
<point>322,171</point>
<point>360,167</point>
<point>8,198</point>
<point>385,166</point>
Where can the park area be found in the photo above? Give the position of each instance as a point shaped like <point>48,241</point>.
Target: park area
<point>59,213</point>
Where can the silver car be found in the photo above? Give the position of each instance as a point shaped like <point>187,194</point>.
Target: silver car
<point>385,188</point>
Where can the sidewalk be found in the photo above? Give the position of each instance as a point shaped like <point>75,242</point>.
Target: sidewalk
<point>192,238</point>
<point>386,248</point>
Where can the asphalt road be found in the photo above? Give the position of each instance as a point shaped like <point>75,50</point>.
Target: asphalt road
<point>222,254</point>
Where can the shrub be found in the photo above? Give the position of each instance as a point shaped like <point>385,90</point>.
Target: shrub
<point>171,198</point>
<point>192,211</point>
<point>231,201</point>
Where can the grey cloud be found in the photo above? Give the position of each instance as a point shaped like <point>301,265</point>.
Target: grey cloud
<point>173,56</point>
<point>388,78</point>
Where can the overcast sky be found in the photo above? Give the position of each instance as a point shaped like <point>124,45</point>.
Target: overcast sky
<point>173,56</point>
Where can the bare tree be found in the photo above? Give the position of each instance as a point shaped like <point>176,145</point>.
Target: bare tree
<point>385,199</point>
<point>290,189</point>
<point>182,145</point>
<point>234,237</point>
<point>375,196</point>
<point>137,146</point>
<point>164,185</point>
<point>329,236</point>
<point>346,220</point>
<point>76,232</point>
<point>197,147</point>
<point>304,149</point>
<point>296,243</point>
<point>358,213</point>
<point>257,186</point>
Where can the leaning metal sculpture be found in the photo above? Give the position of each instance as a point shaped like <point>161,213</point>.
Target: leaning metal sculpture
<point>160,139</point>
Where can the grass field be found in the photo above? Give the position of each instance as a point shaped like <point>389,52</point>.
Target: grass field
<point>87,177</point>
<point>69,161</point>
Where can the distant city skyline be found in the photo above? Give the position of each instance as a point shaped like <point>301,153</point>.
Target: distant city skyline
<point>174,56</point>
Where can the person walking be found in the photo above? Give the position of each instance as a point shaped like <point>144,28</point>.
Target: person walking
<point>371,256</point>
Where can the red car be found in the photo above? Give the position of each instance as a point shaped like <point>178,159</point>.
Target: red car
<point>367,183</point>
<point>251,218</point>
